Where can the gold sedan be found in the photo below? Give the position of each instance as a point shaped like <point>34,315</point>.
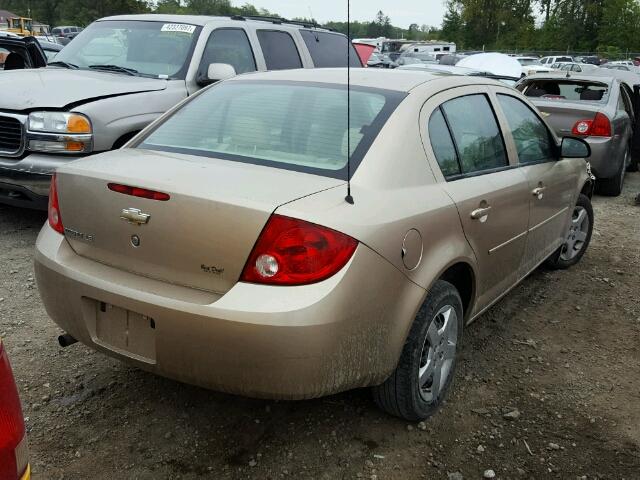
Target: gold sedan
<point>224,247</point>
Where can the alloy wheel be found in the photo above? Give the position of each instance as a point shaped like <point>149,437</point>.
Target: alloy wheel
<point>577,236</point>
<point>438,353</point>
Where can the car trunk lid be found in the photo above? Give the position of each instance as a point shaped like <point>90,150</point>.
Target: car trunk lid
<point>201,237</point>
<point>563,116</point>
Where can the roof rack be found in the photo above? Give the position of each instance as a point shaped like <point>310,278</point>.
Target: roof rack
<point>279,21</point>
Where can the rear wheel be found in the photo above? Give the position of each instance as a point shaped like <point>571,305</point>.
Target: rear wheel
<point>612,187</point>
<point>422,379</point>
<point>578,236</point>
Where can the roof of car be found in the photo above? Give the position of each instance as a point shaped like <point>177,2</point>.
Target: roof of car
<point>202,20</point>
<point>398,80</point>
<point>562,75</point>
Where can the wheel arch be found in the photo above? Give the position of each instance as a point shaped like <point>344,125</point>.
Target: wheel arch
<point>124,139</point>
<point>588,188</point>
<point>463,277</point>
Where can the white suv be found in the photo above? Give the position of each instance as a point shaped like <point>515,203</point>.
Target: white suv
<point>123,72</point>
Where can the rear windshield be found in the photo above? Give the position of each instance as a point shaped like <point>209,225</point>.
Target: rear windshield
<point>290,125</point>
<point>570,90</point>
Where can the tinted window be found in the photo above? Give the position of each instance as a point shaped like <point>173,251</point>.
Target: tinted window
<point>530,135</point>
<point>291,126</point>
<point>329,50</point>
<point>279,49</point>
<point>567,90</point>
<point>228,46</point>
<point>442,145</point>
<point>476,134</point>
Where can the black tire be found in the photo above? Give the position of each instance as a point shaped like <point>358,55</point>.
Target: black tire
<point>612,187</point>
<point>401,395</point>
<point>556,261</point>
<point>633,166</point>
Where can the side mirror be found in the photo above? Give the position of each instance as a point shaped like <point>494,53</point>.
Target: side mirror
<point>573,147</point>
<point>217,72</point>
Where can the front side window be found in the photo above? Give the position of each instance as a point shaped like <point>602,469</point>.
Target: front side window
<point>532,139</point>
<point>288,125</point>
<point>231,46</point>
<point>153,49</point>
<point>476,134</point>
<point>329,50</point>
<point>279,49</point>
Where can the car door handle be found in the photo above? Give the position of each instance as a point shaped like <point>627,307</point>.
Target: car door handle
<point>538,192</point>
<point>480,213</point>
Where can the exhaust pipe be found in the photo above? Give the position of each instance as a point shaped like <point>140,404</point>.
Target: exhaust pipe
<point>66,340</point>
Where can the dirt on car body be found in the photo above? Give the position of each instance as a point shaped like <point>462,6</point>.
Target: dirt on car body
<point>547,387</point>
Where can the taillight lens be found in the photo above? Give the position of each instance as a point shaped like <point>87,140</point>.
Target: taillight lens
<point>55,219</point>
<point>13,457</point>
<point>294,252</point>
<point>600,126</point>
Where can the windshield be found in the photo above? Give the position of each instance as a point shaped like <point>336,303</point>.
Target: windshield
<point>528,61</point>
<point>290,125</point>
<point>154,49</point>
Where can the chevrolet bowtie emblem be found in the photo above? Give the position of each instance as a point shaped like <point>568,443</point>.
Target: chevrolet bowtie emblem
<point>135,216</point>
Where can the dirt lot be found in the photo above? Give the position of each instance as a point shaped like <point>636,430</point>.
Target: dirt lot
<point>563,349</point>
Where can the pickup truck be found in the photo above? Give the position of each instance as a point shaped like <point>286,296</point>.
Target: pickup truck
<point>123,72</point>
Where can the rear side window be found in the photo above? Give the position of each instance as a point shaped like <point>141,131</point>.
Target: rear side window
<point>442,145</point>
<point>329,50</point>
<point>476,135</point>
<point>531,137</point>
<point>279,49</point>
<point>228,45</point>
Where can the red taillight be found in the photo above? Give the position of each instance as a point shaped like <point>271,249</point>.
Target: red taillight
<point>139,192</point>
<point>295,252</point>
<point>55,220</point>
<point>600,126</point>
<point>12,431</point>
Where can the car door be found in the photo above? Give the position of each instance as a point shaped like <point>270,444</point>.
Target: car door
<point>492,196</point>
<point>552,181</point>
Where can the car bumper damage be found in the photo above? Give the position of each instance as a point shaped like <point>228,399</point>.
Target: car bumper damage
<point>255,340</point>
<point>25,182</point>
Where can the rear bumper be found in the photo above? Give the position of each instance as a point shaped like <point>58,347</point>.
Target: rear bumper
<point>605,156</point>
<point>25,182</point>
<point>271,342</point>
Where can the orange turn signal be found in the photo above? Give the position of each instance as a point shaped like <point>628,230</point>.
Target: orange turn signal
<point>78,124</point>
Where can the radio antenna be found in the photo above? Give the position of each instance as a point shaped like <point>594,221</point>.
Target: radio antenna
<point>349,198</point>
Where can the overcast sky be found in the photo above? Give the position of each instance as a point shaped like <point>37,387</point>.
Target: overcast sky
<point>402,12</point>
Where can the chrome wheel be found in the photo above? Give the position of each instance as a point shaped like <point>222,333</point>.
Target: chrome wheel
<point>577,236</point>
<point>438,353</point>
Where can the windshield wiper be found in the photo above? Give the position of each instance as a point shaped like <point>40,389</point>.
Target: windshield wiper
<point>60,63</point>
<point>115,68</point>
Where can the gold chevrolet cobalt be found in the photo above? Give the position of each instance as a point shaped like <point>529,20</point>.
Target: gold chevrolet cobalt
<point>218,248</point>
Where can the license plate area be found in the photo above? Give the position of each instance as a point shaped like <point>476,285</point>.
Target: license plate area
<point>124,331</point>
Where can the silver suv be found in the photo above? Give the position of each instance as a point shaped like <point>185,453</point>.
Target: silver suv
<point>123,72</point>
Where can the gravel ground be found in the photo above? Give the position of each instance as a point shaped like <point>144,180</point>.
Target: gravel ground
<point>548,387</point>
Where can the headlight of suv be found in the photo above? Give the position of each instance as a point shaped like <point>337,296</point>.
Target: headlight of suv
<point>59,132</point>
